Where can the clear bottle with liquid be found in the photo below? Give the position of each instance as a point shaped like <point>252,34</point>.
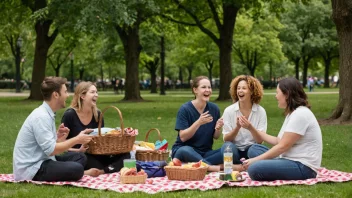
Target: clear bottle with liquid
<point>228,160</point>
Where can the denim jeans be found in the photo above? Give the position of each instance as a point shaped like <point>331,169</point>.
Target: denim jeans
<point>279,169</point>
<point>189,154</point>
<point>68,167</point>
<point>250,152</point>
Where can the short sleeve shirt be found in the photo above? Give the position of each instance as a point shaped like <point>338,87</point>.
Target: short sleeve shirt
<point>72,121</point>
<point>309,148</point>
<point>35,143</point>
<point>244,138</point>
<point>202,140</point>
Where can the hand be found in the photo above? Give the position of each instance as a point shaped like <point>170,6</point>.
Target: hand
<point>62,132</point>
<point>83,148</point>
<point>238,125</point>
<point>83,138</point>
<point>205,118</point>
<point>244,122</point>
<point>219,124</point>
<point>248,162</point>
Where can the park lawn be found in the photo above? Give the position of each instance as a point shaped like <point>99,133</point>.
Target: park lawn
<point>160,112</point>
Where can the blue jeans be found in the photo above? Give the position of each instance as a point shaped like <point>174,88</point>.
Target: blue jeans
<point>279,169</point>
<point>189,154</point>
<point>250,152</point>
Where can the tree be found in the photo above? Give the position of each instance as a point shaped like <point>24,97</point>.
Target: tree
<point>49,17</point>
<point>302,24</point>
<point>13,27</point>
<point>342,16</point>
<point>223,14</point>
<point>256,42</point>
<point>125,17</point>
<point>60,53</point>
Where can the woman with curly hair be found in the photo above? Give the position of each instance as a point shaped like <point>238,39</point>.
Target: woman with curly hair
<point>297,150</point>
<point>245,120</point>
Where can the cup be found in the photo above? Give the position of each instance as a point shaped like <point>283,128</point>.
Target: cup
<point>129,163</point>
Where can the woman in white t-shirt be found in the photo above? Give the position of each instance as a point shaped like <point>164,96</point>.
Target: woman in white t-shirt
<point>297,150</point>
<point>245,119</point>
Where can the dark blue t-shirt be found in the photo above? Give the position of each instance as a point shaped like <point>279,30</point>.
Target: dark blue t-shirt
<point>202,140</point>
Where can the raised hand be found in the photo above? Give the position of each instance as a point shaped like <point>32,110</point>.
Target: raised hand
<point>62,132</point>
<point>219,124</point>
<point>205,118</point>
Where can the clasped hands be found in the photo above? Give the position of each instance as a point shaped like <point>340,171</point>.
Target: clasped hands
<point>243,122</point>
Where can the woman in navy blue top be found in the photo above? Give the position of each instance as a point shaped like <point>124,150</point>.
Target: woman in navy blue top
<point>198,122</point>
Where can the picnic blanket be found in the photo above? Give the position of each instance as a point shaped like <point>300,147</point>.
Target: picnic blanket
<point>162,184</point>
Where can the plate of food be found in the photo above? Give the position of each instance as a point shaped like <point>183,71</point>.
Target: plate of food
<point>235,176</point>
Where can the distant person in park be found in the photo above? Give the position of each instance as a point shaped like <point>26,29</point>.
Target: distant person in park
<point>310,83</point>
<point>84,114</point>
<point>198,122</point>
<point>297,150</point>
<point>245,120</point>
<point>40,151</point>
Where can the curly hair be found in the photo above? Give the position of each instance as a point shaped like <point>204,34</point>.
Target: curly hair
<point>295,95</point>
<point>254,86</point>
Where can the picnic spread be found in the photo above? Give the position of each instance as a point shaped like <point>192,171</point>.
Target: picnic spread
<point>112,182</point>
<point>149,171</point>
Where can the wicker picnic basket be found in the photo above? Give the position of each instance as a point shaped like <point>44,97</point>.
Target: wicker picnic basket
<point>134,179</point>
<point>152,155</point>
<point>111,144</point>
<point>185,174</point>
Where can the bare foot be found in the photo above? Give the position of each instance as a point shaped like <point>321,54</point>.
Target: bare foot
<point>94,172</point>
<point>213,168</point>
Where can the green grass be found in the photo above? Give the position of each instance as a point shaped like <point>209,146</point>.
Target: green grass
<point>160,112</point>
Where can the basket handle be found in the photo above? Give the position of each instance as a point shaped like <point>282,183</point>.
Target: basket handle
<point>101,119</point>
<point>157,130</point>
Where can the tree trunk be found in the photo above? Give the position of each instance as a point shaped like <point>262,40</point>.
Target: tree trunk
<point>132,48</point>
<point>342,15</point>
<point>180,75</point>
<point>42,45</point>
<point>162,66</point>
<point>296,61</point>
<point>327,72</point>
<point>225,50</point>
<point>306,60</point>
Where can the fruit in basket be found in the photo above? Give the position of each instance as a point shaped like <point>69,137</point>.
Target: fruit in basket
<point>131,172</point>
<point>197,165</point>
<point>114,132</point>
<point>176,162</point>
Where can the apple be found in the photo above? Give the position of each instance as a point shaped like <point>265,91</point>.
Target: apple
<point>177,162</point>
<point>197,165</point>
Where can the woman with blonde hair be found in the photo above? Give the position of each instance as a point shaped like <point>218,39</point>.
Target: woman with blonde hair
<point>82,114</point>
<point>245,119</point>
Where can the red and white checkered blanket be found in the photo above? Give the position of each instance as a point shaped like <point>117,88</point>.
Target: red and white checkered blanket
<point>162,184</point>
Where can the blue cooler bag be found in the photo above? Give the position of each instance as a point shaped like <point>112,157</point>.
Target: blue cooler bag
<point>153,169</point>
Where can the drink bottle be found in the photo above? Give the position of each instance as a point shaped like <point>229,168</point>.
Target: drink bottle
<point>228,160</point>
